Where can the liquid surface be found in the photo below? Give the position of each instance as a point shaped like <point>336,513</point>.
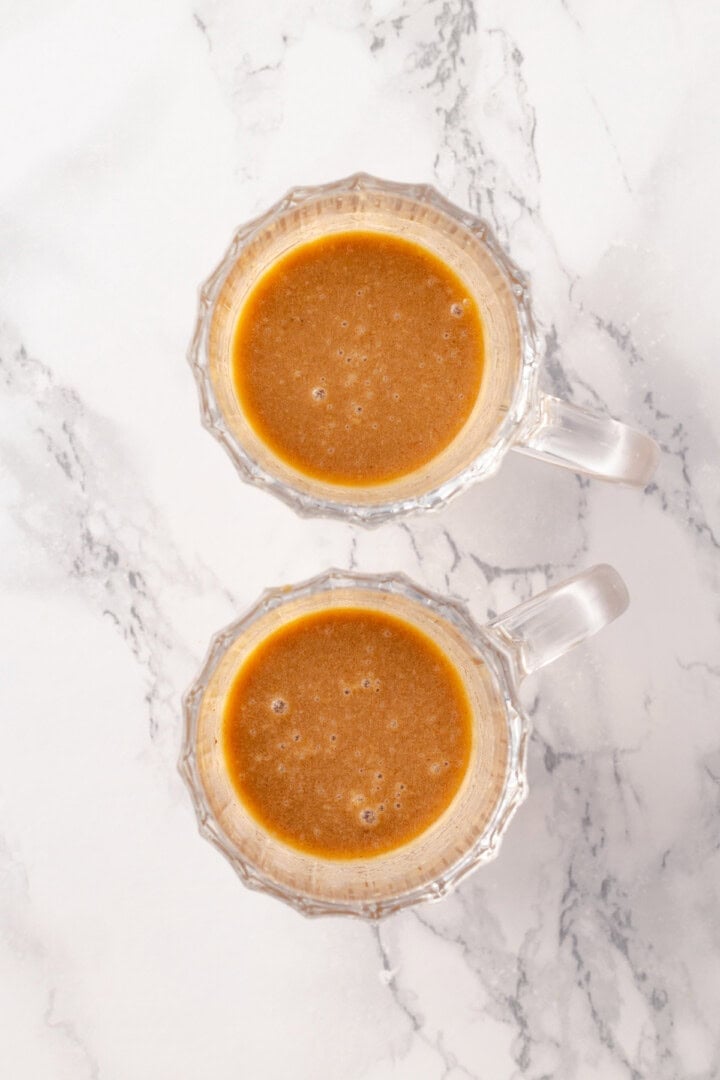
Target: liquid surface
<point>358,357</point>
<point>347,733</point>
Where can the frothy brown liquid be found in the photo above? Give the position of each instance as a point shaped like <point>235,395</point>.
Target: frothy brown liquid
<point>347,732</point>
<point>358,357</point>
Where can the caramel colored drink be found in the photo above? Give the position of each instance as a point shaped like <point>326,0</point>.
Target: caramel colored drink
<point>358,357</point>
<point>347,733</point>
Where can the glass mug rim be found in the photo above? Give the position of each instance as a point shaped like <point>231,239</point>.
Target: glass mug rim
<point>489,648</point>
<point>509,647</point>
<point>485,462</point>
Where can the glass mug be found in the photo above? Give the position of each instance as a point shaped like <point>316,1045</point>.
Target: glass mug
<point>510,411</point>
<point>492,661</point>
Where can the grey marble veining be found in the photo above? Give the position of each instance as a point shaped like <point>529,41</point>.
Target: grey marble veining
<point>138,138</point>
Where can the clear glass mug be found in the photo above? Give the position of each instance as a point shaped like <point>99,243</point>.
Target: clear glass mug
<point>510,413</point>
<point>492,661</point>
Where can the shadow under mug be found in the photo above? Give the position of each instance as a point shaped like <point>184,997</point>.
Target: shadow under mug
<point>510,411</point>
<point>492,661</point>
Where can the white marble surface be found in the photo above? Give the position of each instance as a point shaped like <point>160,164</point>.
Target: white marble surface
<point>135,136</point>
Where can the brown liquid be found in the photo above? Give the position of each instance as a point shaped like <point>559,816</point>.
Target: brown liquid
<point>358,357</point>
<point>347,733</point>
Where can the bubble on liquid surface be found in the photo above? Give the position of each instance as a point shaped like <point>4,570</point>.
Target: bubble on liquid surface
<point>393,724</point>
<point>368,816</point>
<point>446,334</point>
<point>435,768</point>
<point>358,799</point>
<point>279,706</point>
<point>366,683</point>
<point>344,323</point>
<point>456,310</point>
<point>319,393</point>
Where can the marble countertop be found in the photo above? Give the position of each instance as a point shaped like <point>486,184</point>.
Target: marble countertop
<point>135,137</point>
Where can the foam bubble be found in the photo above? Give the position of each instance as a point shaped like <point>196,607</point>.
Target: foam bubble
<point>319,392</point>
<point>456,310</point>
<point>368,816</point>
<point>279,706</point>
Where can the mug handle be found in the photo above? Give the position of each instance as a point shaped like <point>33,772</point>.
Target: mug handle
<point>542,629</point>
<point>589,443</point>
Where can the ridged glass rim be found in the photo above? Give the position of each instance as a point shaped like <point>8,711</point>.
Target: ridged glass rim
<point>304,503</point>
<point>495,654</point>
